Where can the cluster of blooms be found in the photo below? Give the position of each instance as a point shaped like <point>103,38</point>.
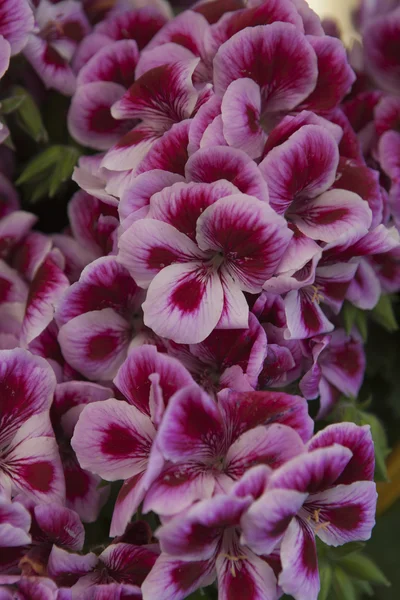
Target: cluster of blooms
<point>172,337</point>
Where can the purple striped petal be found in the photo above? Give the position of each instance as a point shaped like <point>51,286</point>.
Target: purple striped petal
<point>299,575</point>
<point>16,22</point>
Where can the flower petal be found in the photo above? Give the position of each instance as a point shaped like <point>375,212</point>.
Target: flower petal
<point>148,246</point>
<point>347,512</point>
<point>172,578</point>
<point>169,153</point>
<point>250,573</point>
<point>50,65</point>
<point>191,428</point>
<point>266,521</point>
<point>113,439</point>
<point>16,22</point>
<point>274,45</point>
<point>96,343</point>
<point>334,213</point>
<point>304,166</point>
<point>299,575</point>
<point>358,440</point>
<point>251,236</point>
<point>114,62</point>
<point>89,117</point>
<point>304,316</point>
<point>184,302</point>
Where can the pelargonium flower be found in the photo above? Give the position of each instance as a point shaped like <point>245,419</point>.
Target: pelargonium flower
<point>50,49</point>
<point>98,318</point>
<point>16,23</point>
<point>30,462</point>
<point>210,445</point>
<point>122,432</point>
<point>203,543</point>
<point>196,264</point>
<point>328,492</point>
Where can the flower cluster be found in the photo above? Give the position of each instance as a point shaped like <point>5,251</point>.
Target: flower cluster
<point>240,189</point>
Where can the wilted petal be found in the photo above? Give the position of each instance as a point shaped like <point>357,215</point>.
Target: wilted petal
<point>184,302</point>
<point>133,377</point>
<point>89,118</point>
<point>299,575</point>
<point>247,50</point>
<point>212,164</point>
<point>96,343</point>
<point>266,521</point>
<point>113,439</point>
<point>346,511</point>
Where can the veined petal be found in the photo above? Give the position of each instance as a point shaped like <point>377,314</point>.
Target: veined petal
<point>28,385</point>
<point>163,95</point>
<point>148,246</point>
<point>365,289</point>
<point>133,377</point>
<point>182,204</point>
<point>169,153</point>
<point>130,149</point>
<point>343,363</point>
<point>140,23</point>
<point>312,472</point>
<point>174,579</point>
<point>128,500</point>
<point>245,572</point>
<point>235,313</point>
<point>60,525</point>
<point>178,487</point>
<point>34,467</point>
<point>212,164</point>
<point>184,302</point>
<point>113,439</point>
<point>271,44</point>
<point>299,575</point>
<point>241,113</point>
<point>191,428</point>
<point>271,446</point>
<point>304,316</point>
<point>358,440</point>
<point>16,22</point>
<point>96,343</point>
<point>266,521</point>
<point>334,213</point>
<point>304,166</point>
<point>114,62</point>
<point>144,186</point>
<point>242,411</point>
<point>346,512</point>
<point>89,117</point>
<point>251,236</point>
<point>45,291</point>
<point>50,65</point>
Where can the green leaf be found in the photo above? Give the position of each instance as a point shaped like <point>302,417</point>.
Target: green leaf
<point>341,551</point>
<point>380,442</point>
<point>384,315</point>
<point>361,567</point>
<point>28,115</point>
<point>325,576</point>
<point>362,324</point>
<point>9,105</point>
<point>343,586</point>
<point>49,170</point>
<point>349,313</point>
